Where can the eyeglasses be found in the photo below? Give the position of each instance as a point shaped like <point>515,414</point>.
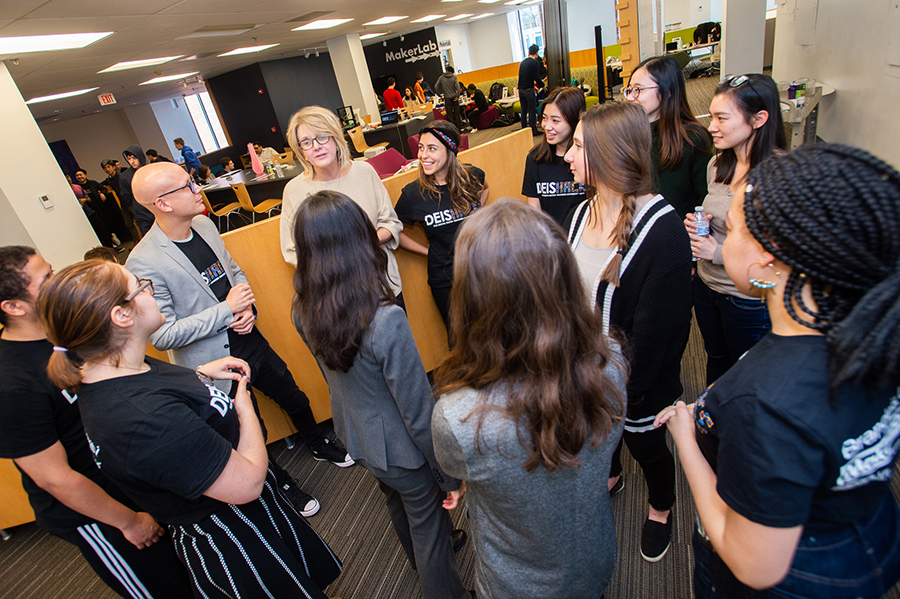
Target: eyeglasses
<point>190,184</point>
<point>307,144</point>
<point>142,284</point>
<point>633,92</point>
<point>737,81</point>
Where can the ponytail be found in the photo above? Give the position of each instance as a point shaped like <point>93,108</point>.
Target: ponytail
<point>832,213</point>
<point>63,372</point>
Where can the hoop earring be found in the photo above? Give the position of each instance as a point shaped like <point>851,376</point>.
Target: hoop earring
<point>763,284</point>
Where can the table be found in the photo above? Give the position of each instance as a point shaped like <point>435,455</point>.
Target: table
<point>264,188</point>
<point>396,134</point>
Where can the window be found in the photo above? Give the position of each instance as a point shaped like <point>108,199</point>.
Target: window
<point>206,121</point>
<point>526,27</point>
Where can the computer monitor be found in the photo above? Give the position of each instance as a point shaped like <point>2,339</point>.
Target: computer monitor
<point>671,46</point>
<point>390,117</point>
<point>345,113</point>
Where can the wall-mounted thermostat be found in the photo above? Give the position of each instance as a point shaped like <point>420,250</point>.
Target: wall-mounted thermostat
<point>47,203</point>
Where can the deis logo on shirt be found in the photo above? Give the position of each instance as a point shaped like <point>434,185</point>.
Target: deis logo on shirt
<point>548,189</point>
<point>213,273</point>
<point>870,456</point>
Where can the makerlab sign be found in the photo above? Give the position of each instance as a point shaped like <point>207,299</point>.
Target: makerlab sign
<point>413,54</point>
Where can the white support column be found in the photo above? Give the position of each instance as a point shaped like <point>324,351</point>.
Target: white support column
<point>352,73</point>
<point>28,171</point>
<point>743,36</point>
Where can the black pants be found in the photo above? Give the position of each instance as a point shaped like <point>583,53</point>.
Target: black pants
<point>97,225</point>
<point>452,107</point>
<point>528,104</point>
<point>441,297</point>
<point>154,571</point>
<point>651,452</point>
<point>112,219</point>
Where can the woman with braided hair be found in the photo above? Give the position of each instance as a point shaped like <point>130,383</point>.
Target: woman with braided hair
<point>745,121</point>
<point>789,454</point>
<point>635,259</point>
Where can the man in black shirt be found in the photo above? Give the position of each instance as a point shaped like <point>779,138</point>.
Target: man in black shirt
<point>529,76</point>
<point>209,306</point>
<point>143,218</point>
<point>105,206</point>
<point>41,431</point>
<point>154,156</point>
<point>479,107</point>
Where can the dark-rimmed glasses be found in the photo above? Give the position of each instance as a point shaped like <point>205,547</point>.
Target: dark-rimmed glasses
<point>307,144</point>
<point>633,92</point>
<point>190,184</point>
<point>142,284</point>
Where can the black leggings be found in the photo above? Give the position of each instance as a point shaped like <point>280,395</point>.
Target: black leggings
<point>441,297</point>
<point>651,452</point>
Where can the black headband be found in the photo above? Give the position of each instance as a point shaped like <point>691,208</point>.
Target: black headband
<point>442,137</point>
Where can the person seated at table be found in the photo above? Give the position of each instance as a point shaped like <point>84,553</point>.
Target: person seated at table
<point>265,154</point>
<point>316,136</point>
<point>409,99</point>
<point>227,164</point>
<point>479,105</point>
<point>204,175</point>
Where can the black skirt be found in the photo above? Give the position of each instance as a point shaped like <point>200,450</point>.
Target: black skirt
<point>260,549</point>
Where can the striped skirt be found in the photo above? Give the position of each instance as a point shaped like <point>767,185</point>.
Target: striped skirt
<point>260,549</point>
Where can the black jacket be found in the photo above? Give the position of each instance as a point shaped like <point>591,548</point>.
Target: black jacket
<point>650,310</point>
<point>142,217</point>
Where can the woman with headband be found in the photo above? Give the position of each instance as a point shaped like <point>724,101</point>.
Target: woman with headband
<point>789,454</point>
<point>447,193</point>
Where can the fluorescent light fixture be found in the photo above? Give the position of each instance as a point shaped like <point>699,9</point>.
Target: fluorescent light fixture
<point>61,96</point>
<point>512,2</point>
<point>44,43</point>
<point>191,57</point>
<point>248,50</point>
<point>532,2</point>
<point>322,24</point>
<point>488,1</point>
<point>481,16</point>
<point>460,17</point>
<point>136,64</point>
<point>384,21</point>
<point>369,36</point>
<point>169,78</point>
<point>451,0</point>
<point>427,18</point>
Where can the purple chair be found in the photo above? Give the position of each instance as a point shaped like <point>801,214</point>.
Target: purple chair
<point>387,163</point>
<point>413,142</point>
<point>486,119</point>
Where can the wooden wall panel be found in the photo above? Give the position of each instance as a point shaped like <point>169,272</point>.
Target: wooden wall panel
<point>14,506</point>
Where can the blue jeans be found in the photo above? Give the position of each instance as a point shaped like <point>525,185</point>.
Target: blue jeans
<point>730,326</point>
<point>862,561</point>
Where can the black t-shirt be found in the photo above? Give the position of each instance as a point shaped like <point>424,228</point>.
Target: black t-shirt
<point>784,456</point>
<point>529,73</point>
<point>163,437</point>
<point>440,221</point>
<point>213,273</point>
<point>554,185</point>
<point>34,415</point>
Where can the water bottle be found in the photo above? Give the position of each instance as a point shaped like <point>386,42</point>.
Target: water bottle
<point>702,225</point>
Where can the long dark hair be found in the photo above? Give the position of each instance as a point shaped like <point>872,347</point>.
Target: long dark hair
<point>570,102</point>
<point>617,154</point>
<point>521,319</point>
<point>676,121</point>
<point>832,213</point>
<point>341,277</point>
<point>757,94</point>
<point>465,188</point>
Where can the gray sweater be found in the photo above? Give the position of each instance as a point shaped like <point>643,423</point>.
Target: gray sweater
<point>536,534</point>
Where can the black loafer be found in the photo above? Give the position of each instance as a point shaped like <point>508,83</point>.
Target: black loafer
<point>458,537</point>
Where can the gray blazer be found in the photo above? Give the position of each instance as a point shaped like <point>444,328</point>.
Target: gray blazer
<point>382,406</point>
<point>196,327</point>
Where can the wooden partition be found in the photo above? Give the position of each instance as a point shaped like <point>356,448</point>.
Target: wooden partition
<point>257,249</point>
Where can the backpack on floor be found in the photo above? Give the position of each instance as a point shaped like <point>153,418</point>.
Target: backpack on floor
<point>496,91</point>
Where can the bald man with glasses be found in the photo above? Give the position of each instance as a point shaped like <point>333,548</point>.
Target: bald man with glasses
<point>209,307</point>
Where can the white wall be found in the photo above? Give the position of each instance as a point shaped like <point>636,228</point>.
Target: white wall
<point>583,16</point>
<point>176,122</point>
<point>28,170</point>
<point>93,138</point>
<point>490,43</point>
<point>460,47</point>
<point>147,130</point>
<point>692,12</point>
<point>849,52</point>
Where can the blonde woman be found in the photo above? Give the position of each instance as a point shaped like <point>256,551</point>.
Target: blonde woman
<point>315,135</point>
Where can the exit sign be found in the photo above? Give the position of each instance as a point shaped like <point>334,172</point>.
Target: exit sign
<point>106,99</point>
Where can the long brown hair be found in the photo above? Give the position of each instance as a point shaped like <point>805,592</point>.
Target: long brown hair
<point>341,277</point>
<point>676,122</point>
<point>521,320</point>
<point>617,155</point>
<point>74,308</point>
<point>465,188</point>
<point>570,102</point>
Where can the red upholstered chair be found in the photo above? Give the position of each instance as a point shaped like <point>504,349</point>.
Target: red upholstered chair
<point>387,163</point>
<point>413,142</point>
<point>440,114</point>
<point>486,119</point>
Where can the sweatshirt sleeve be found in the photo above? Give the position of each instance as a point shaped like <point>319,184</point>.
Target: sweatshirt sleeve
<point>447,448</point>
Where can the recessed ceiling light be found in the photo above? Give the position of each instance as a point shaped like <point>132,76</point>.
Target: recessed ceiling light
<point>169,78</point>
<point>369,36</point>
<point>61,96</point>
<point>488,1</point>
<point>481,16</point>
<point>44,43</point>
<point>191,57</point>
<point>322,24</point>
<point>533,1</point>
<point>513,2</point>
<point>427,18</point>
<point>249,50</point>
<point>451,0</point>
<point>384,21</point>
<point>460,17</point>
<point>136,64</point>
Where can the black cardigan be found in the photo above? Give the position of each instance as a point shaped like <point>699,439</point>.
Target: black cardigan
<point>650,310</point>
